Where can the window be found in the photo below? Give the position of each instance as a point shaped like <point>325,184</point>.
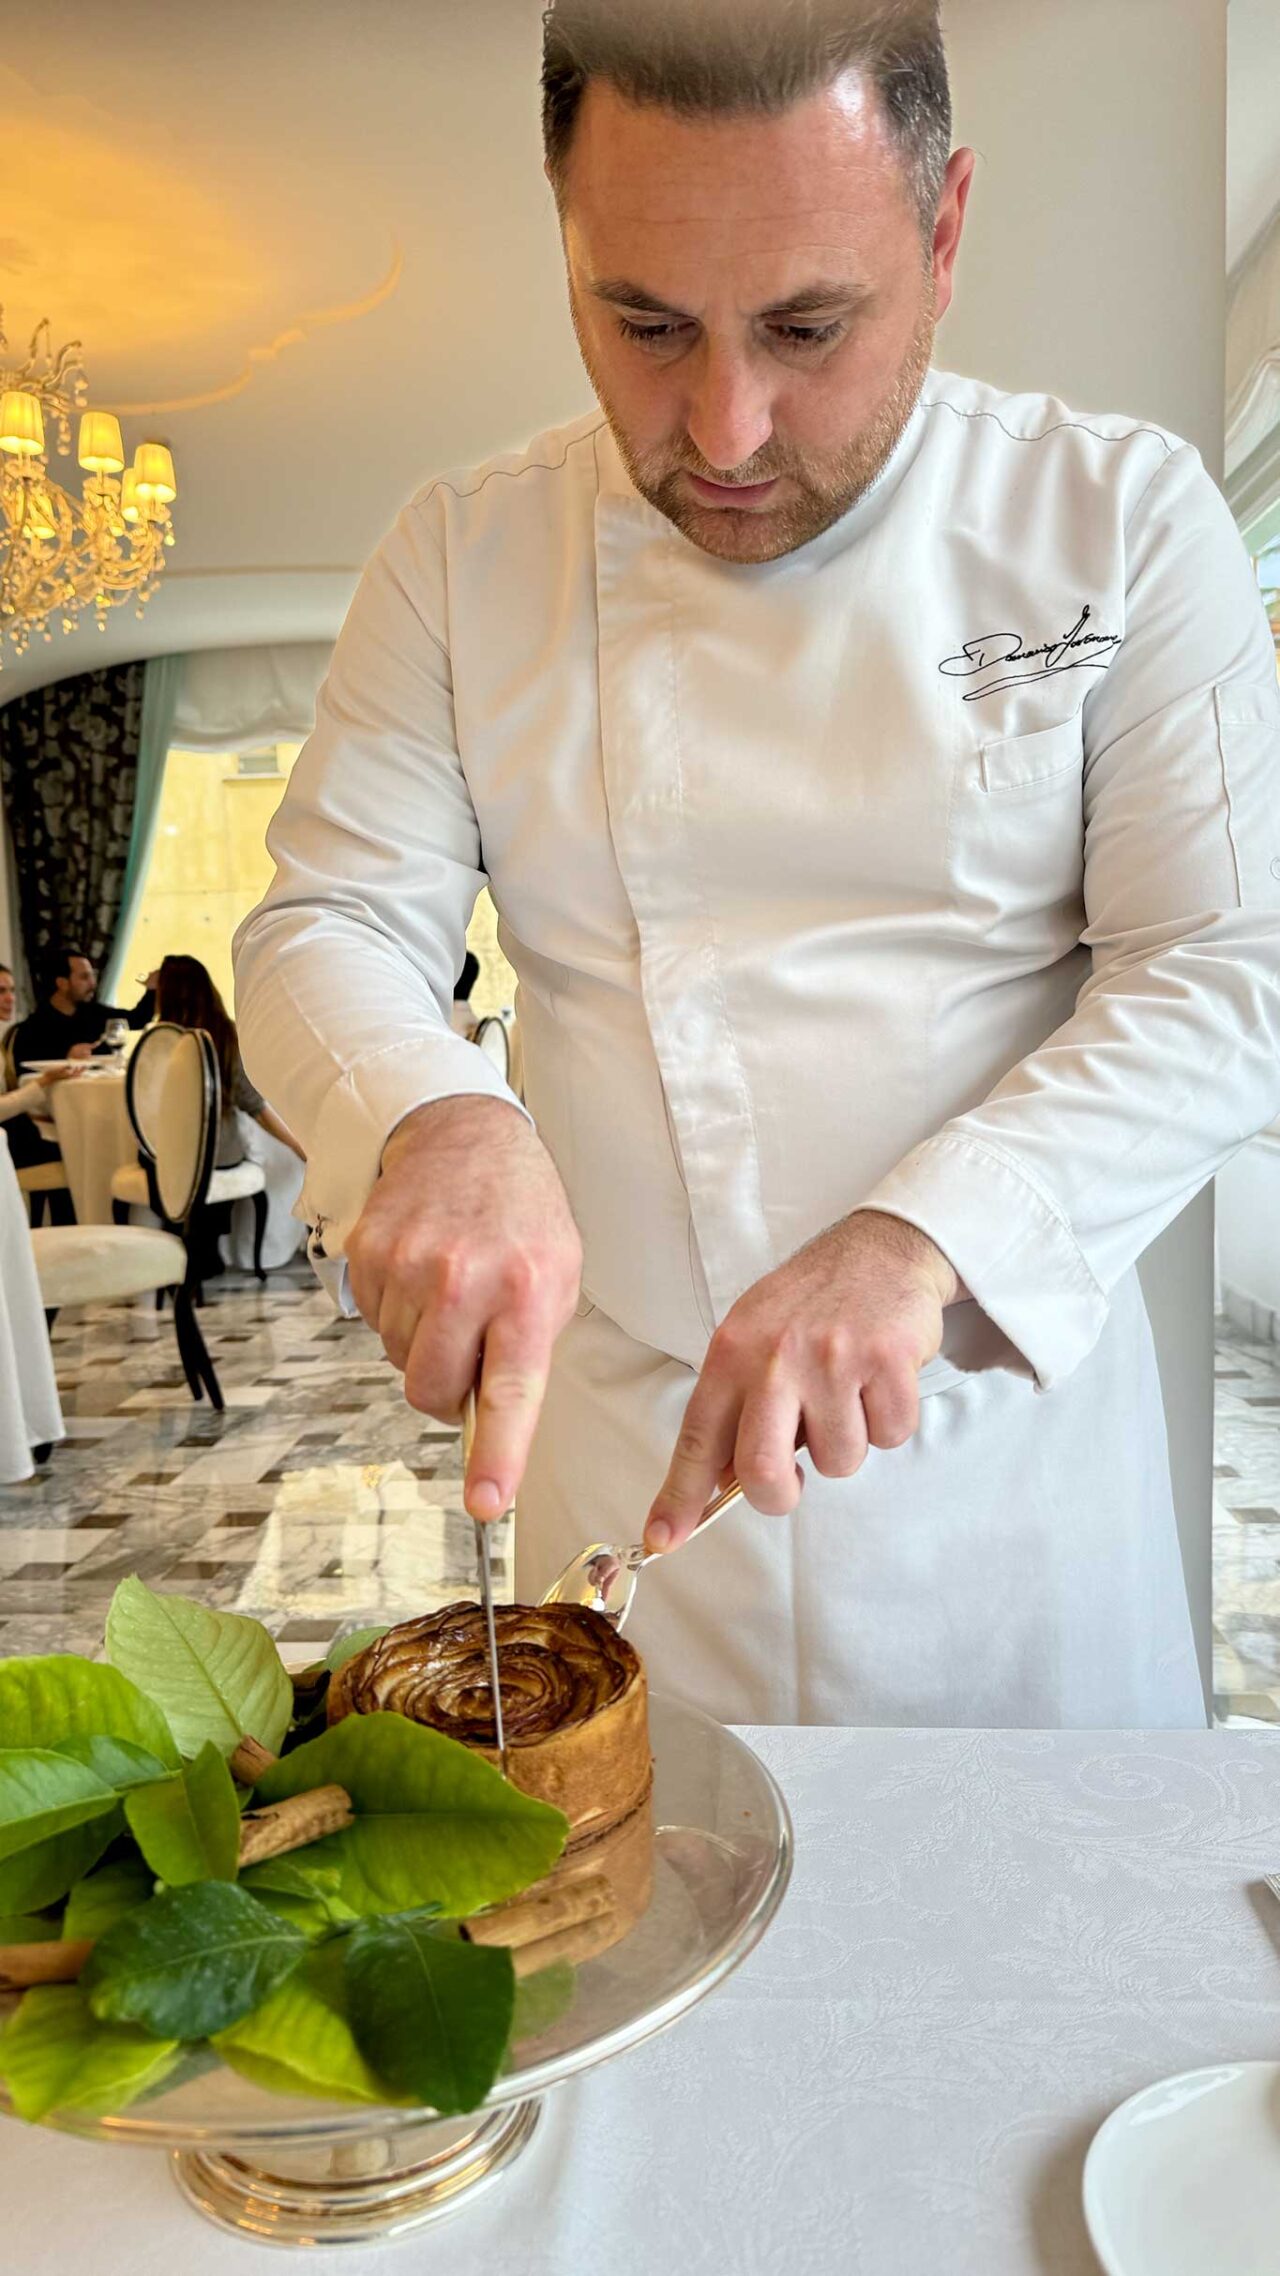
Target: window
<point>210,866</point>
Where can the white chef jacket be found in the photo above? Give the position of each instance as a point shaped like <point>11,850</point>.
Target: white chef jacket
<point>934,867</point>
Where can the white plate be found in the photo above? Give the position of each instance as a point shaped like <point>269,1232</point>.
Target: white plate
<point>1184,2178</point>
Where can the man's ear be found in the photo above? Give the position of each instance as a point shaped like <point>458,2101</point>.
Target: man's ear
<point>949,227</point>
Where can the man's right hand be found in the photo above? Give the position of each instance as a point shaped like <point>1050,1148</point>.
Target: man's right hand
<point>467,1242</point>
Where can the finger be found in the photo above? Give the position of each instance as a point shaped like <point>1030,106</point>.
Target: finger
<point>513,1384</point>
<point>367,1283</point>
<point>396,1321</point>
<point>443,1361</point>
<point>835,1432</point>
<point>765,1454</point>
<point>703,1450</point>
<point>892,1407</point>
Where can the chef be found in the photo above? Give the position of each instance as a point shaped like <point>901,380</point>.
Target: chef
<point>878,780</point>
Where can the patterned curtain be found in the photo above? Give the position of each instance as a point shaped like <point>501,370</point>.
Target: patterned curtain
<point>68,772</point>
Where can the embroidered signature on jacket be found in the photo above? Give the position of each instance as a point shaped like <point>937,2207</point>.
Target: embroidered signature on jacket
<point>1079,651</point>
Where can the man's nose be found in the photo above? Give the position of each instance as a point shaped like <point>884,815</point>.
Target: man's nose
<point>730,415</point>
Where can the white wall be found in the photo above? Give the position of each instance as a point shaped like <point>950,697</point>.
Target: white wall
<point>1095,268</point>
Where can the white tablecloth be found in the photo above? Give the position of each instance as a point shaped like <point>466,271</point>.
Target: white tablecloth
<point>93,1129</point>
<point>29,1411</point>
<point>991,1940</point>
<point>92,1126</point>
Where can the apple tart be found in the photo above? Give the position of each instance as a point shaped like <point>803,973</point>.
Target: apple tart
<point>574,1701</point>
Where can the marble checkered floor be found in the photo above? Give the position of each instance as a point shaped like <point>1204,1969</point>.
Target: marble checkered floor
<point>1246,1526</point>
<point>318,1501</point>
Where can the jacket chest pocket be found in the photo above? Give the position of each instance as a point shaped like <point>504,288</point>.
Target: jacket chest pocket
<point>1016,836</point>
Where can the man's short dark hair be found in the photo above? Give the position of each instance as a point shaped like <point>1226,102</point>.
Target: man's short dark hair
<point>61,961</point>
<point>710,58</point>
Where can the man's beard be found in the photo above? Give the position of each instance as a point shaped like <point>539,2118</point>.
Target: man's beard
<point>822,487</point>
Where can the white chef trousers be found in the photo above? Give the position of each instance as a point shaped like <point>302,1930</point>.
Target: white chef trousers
<point>1016,1565</point>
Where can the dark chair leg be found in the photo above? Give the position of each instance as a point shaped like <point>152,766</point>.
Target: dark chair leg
<point>184,1327</point>
<point>40,1454</point>
<point>62,1209</point>
<point>195,1356</point>
<point>259,1229</point>
<point>50,1317</point>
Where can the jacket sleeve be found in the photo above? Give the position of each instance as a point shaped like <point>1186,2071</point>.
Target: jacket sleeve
<point>345,971</point>
<point>1047,1192</point>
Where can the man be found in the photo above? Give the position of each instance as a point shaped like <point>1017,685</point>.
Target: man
<point>877,779</point>
<point>71,1020</point>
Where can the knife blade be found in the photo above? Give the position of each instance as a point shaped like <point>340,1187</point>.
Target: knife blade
<point>484,1560</point>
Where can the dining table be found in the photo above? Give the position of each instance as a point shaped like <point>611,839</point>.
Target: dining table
<point>30,1413</point>
<point>90,1121</point>
<point>991,1939</point>
<point>95,1136</point>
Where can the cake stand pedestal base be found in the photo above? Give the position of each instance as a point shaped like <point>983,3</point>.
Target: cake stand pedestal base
<point>357,2192</point>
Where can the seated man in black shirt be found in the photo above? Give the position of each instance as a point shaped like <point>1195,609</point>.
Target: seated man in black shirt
<point>66,1026</point>
<point>71,1020</point>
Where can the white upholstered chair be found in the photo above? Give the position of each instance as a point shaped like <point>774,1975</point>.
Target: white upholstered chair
<point>133,1186</point>
<point>94,1264</point>
<point>498,1036</point>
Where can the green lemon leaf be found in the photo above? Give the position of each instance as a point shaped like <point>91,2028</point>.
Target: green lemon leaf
<point>104,1897</point>
<point>429,2013</point>
<point>308,1897</point>
<point>43,1794</point>
<point>188,1829</point>
<point>27,1928</point>
<point>39,1876</point>
<point>46,1701</point>
<point>191,1962</point>
<point>435,1823</point>
<point>117,1762</point>
<point>542,1999</point>
<point>56,2055</point>
<point>344,1648</point>
<point>300,2042</point>
<point>216,1675</point>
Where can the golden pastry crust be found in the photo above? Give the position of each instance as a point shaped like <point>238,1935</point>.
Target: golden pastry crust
<point>574,1701</point>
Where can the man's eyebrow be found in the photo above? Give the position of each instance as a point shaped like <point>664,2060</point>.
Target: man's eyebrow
<point>620,292</point>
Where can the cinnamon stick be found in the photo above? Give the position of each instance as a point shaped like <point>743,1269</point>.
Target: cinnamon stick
<point>250,1760</point>
<point>283,1826</point>
<point>52,1962</point>
<point>547,1911</point>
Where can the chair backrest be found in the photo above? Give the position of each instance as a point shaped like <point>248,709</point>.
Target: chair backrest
<point>491,1037</point>
<point>498,1036</point>
<point>186,1125</point>
<point>144,1081</point>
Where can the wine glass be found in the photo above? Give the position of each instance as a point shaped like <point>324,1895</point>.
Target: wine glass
<point>114,1034</point>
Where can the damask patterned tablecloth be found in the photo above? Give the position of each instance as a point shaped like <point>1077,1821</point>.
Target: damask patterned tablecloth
<point>992,1938</point>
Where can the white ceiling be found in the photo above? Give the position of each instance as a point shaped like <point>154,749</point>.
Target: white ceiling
<point>342,198</point>
<point>315,234</point>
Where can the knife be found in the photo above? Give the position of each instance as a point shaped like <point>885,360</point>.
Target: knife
<point>484,1560</point>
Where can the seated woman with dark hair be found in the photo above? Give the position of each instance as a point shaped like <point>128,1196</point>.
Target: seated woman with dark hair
<point>187,995</point>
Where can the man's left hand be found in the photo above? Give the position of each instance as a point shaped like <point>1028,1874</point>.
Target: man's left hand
<point>825,1352</point>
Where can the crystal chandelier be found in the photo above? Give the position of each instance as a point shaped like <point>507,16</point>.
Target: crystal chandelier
<point>60,554</point>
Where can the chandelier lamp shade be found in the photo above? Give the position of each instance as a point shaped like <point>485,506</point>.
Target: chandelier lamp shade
<point>61,553</point>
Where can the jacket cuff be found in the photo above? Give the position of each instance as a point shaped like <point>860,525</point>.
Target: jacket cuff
<point>1009,1242</point>
<point>362,1109</point>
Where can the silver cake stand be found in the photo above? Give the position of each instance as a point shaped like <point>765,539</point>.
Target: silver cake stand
<point>293,2171</point>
